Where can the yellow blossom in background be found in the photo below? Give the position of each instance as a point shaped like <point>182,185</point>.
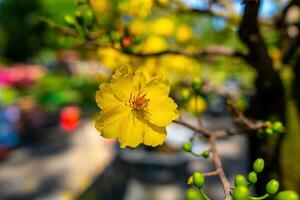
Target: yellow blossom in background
<point>111,58</point>
<point>163,27</point>
<point>165,2</point>
<point>196,105</point>
<point>150,68</point>
<point>139,8</point>
<point>135,110</point>
<point>100,6</point>
<point>184,33</point>
<point>138,27</point>
<point>154,44</point>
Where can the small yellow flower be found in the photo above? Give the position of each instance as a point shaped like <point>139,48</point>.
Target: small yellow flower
<point>135,110</point>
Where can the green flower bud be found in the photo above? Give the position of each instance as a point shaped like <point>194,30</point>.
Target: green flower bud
<point>240,193</point>
<point>277,127</point>
<point>269,131</point>
<point>239,180</point>
<point>187,147</point>
<point>205,154</point>
<point>192,194</point>
<point>185,94</point>
<point>196,84</point>
<point>198,179</point>
<point>287,195</point>
<point>258,165</point>
<point>272,186</point>
<point>252,177</point>
<point>69,19</point>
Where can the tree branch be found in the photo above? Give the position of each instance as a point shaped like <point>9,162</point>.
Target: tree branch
<point>219,167</point>
<point>209,51</point>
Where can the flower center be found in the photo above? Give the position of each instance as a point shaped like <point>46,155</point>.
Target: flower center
<point>139,100</point>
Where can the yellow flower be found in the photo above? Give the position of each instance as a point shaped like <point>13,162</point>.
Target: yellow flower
<point>184,33</point>
<point>135,110</point>
<point>163,27</point>
<point>154,44</point>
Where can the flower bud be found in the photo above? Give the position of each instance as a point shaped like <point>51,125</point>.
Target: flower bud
<point>258,165</point>
<point>272,186</point>
<point>287,195</point>
<point>198,179</point>
<point>185,94</point>
<point>277,127</point>
<point>252,177</point>
<point>269,131</point>
<point>196,84</point>
<point>192,194</point>
<point>239,180</point>
<point>187,147</point>
<point>205,154</point>
<point>69,19</point>
<point>240,193</point>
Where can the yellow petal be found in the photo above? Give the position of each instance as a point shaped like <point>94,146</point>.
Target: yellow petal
<point>161,111</point>
<point>106,99</point>
<point>132,130</point>
<point>109,122</point>
<point>122,83</point>
<point>154,135</point>
<point>157,87</point>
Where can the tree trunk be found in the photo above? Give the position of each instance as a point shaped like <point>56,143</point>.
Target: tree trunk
<point>269,99</point>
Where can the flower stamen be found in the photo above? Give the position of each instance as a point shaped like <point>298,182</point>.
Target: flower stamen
<point>139,101</point>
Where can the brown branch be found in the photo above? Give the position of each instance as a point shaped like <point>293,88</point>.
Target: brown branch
<point>213,173</point>
<point>219,167</point>
<point>209,51</point>
<point>201,130</point>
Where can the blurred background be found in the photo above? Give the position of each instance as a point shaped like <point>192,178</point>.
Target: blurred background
<point>55,53</point>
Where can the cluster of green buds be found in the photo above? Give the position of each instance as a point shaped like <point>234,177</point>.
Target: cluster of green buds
<point>242,186</point>
<point>271,128</point>
<point>187,147</point>
<point>82,20</point>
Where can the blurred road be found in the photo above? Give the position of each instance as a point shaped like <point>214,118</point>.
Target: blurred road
<point>60,167</point>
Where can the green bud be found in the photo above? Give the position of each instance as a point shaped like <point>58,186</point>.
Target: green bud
<point>196,84</point>
<point>198,179</point>
<point>269,131</point>
<point>240,193</point>
<point>287,195</point>
<point>272,186</point>
<point>258,165</point>
<point>205,154</point>
<point>252,177</point>
<point>277,127</point>
<point>192,194</point>
<point>239,180</point>
<point>185,94</point>
<point>187,147</point>
<point>69,19</point>
<point>137,40</point>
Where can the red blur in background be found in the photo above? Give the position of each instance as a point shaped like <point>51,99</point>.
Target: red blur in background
<point>69,118</point>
